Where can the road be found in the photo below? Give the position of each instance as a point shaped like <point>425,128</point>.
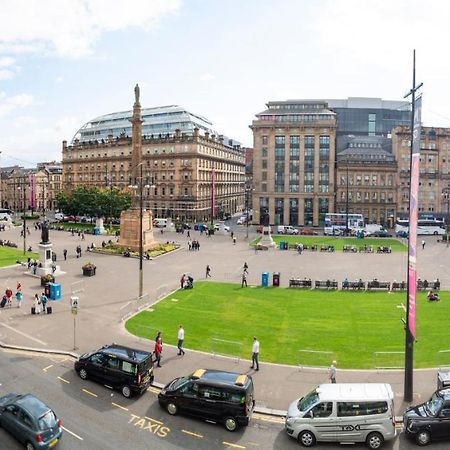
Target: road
<point>95,417</point>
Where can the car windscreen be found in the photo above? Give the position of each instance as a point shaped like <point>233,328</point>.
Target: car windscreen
<point>179,382</point>
<point>307,401</point>
<point>434,404</point>
<point>46,421</point>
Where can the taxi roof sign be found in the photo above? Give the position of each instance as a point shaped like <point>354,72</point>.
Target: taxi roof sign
<point>198,373</point>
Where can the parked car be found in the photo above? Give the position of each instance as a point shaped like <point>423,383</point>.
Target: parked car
<point>382,233</point>
<point>241,220</point>
<point>200,226</point>
<point>259,229</point>
<point>224,397</point>
<point>128,369</point>
<point>59,217</point>
<point>286,229</point>
<point>30,421</point>
<point>429,421</point>
<point>308,232</point>
<point>401,234</point>
<point>219,226</point>
<point>73,219</point>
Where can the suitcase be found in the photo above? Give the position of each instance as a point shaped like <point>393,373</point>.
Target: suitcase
<point>49,309</point>
<point>33,310</point>
<point>3,302</point>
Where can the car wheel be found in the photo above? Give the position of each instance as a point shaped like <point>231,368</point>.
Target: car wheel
<point>83,374</point>
<point>30,446</point>
<point>172,409</point>
<point>231,424</point>
<point>307,439</point>
<point>126,391</point>
<point>423,437</point>
<point>374,441</point>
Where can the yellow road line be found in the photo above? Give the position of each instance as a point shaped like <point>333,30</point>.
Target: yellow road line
<point>154,390</point>
<point>119,406</point>
<point>192,434</point>
<point>48,367</point>
<point>272,419</point>
<point>62,379</point>
<point>229,444</point>
<point>89,392</point>
<point>153,420</point>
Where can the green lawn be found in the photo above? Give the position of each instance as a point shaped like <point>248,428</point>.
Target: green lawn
<point>350,325</point>
<point>339,242</point>
<point>83,226</point>
<point>9,256</point>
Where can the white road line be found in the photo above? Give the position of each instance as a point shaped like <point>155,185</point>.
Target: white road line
<point>23,334</point>
<point>230,444</point>
<point>72,433</point>
<point>89,392</point>
<point>119,406</point>
<point>62,379</point>
<point>48,367</point>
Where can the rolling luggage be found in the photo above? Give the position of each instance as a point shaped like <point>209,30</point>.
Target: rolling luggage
<point>33,310</point>
<point>3,302</point>
<point>49,310</point>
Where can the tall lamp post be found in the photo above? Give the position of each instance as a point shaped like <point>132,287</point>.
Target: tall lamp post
<point>24,230</point>
<point>446,196</point>
<point>248,189</point>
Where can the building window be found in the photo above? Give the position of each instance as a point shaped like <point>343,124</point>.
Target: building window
<point>264,163</point>
<point>323,209</point>
<point>308,211</point>
<point>279,211</point>
<point>372,124</point>
<point>293,211</point>
<point>265,140</point>
<point>264,152</point>
<point>263,208</point>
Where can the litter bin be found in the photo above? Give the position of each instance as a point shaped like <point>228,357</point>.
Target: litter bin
<point>276,279</point>
<point>281,245</point>
<point>286,245</point>
<point>47,290</point>
<point>97,231</point>
<point>443,379</point>
<point>265,279</point>
<point>55,291</point>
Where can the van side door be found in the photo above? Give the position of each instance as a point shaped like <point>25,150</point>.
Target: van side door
<point>350,421</point>
<point>323,421</point>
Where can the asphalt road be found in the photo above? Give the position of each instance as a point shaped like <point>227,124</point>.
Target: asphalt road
<point>95,417</point>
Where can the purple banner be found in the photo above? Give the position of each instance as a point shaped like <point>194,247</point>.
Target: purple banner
<point>413,215</point>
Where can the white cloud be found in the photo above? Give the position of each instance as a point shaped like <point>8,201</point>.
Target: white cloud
<point>7,61</point>
<point>6,74</point>
<point>70,27</point>
<point>59,79</point>
<point>207,77</point>
<point>9,104</point>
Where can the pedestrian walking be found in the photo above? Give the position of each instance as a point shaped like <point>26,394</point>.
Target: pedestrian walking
<point>182,280</point>
<point>255,354</point>
<point>423,244</point>
<point>232,234</point>
<point>332,372</point>
<point>82,236</point>
<point>44,300</point>
<point>244,279</point>
<point>245,268</point>
<point>208,271</point>
<point>19,297</point>
<point>9,294</point>
<point>189,245</point>
<point>157,352</point>
<point>37,304</point>
<point>65,254</point>
<point>234,241</point>
<point>188,234</point>
<point>180,340</point>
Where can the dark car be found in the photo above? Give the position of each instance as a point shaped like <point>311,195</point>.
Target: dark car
<point>227,216</point>
<point>429,421</point>
<point>119,367</point>
<point>381,234</point>
<point>308,232</point>
<point>30,421</point>
<point>222,397</point>
<point>402,234</point>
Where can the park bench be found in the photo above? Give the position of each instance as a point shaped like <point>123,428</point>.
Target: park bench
<point>396,286</point>
<point>424,285</point>
<point>379,285</point>
<point>328,284</point>
<point>383,249</point>
<point>357,285</point>
<point>366,249</point>
<point>300,283</point>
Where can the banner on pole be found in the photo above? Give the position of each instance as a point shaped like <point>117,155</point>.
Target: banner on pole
<point>413,216</point>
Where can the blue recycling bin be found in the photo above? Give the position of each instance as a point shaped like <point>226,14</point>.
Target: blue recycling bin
<point>55,291</point>
<point>281,245</point>
<point>97,231</point>
<point>265,279</point>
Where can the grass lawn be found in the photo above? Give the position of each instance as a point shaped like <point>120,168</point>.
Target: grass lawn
<point>339,242</point>
<point>351,325</point>
<point>9,256</point>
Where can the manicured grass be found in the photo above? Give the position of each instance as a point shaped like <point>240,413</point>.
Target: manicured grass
<point>339,242</point>
<point>9,256</point>
<point>82,226</point>
<point>352,325</point>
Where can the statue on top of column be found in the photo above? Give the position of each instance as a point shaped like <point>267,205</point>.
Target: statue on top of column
<point>136,93</point>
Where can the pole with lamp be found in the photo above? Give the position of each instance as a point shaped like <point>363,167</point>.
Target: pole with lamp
<point>446,196</point>
<point>24,230</point>
<point>248,189</point>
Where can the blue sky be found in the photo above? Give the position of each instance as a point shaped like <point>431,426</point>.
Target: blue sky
<point>64,62</point>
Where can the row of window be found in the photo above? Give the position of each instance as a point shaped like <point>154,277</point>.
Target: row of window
<point>294,140</point>
<point>367,196</point>
<point>366,180</point>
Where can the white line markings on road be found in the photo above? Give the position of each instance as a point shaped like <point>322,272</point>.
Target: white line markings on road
<point>154,420</point>
<point>48,367</point>
<point>89,392</point>
<point>229,444</point>
<point>119,406</point>
<point>62,379</point>
<point>192,434</point>
<point>72,433</point>
<point>23,334</point>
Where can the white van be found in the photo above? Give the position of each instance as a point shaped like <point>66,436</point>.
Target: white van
<point>344,413</point>
<point>160,223</point>
<point>286,229</point>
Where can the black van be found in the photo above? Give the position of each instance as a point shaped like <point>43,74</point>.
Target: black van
<point>224,397</point>
<point>118,367</point>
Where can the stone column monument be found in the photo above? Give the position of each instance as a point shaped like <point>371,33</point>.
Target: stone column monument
<point>266,238</point>
<point>130,219</point>
<point>46,264</point>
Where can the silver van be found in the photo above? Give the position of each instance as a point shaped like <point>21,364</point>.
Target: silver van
<point>344,413</point>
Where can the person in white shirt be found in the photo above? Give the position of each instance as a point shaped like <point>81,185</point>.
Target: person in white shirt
<point>255,354</point>
<point>332,372</point>
<point>180,340</point>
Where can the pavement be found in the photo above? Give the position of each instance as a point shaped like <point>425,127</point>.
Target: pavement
<point>106,297</point>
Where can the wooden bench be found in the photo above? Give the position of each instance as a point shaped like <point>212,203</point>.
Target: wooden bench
<point>300,283</point>
<point>357,285</point>
<point>424,285</point>
<point>398,286</point>
<point>328,284</point>
<point>378,285</point>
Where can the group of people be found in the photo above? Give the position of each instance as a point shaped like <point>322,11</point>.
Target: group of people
<point>157,350</point>
<point>40,303</point>
<point>193,245</point>
<point>186,282</point>
<point>8,295</point>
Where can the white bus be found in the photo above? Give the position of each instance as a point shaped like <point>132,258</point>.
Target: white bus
<point>5,214</point>
<point>336,223</point>
<point>424,226</point>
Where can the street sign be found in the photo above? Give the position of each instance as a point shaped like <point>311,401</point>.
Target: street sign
<point>74,302</point>
<point>74,311</point>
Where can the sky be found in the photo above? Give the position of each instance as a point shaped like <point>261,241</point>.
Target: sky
<point>65,62</point>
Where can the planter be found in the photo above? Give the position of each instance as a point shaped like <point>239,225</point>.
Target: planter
<point>89,272</point>
<point>46,279</point>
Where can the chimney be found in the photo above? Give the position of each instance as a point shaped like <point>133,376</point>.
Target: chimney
<point>177,133</point>
<point>196,132</point>
<point>207,134</point>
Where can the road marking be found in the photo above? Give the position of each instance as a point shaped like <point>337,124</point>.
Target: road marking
<point>192,434</point>
<point>89,392</point>
<point>119,406</point>
<point>48,367</point>
<point>72,433</point>
<point>23,334</point>
<point>254,444</point>
<point>229,444</point>
<point>154,420</point>
<point>154,390</point>
<point>268,418</point>
<point>62,379</point>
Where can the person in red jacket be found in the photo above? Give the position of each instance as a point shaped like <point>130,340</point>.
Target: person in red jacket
<point>158,351</point>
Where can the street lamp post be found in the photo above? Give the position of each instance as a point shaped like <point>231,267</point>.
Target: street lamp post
<point>24,230</point>
<point>248,189</point>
